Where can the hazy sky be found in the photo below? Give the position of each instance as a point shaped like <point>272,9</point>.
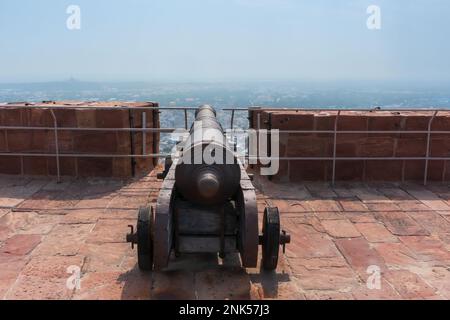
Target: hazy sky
<point>225,40</point>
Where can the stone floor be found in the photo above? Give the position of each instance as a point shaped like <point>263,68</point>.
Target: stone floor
<point>341,237</point>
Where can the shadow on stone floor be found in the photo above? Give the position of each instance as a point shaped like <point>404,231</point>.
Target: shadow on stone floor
<point>269,281</point>
<point>198,277</point>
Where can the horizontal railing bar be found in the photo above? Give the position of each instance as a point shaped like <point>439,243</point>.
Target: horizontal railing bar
<point>85,155</point>
<point>91,129</point>
<point>344,131</point>
<point>348,158</point>
<point>227,130</point>
<point>341,109</point>
<point>235,109</point>
<point>163,155</point>
<point>86,107</point>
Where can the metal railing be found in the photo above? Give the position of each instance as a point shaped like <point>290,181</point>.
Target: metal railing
<point>335,132</point>
<point>427,158</point>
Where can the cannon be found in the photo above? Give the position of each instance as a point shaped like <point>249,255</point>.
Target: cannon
<point>206,204</point>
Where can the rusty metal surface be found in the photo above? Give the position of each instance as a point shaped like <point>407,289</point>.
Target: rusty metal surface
<point>248,238</point>
<point>198,181</point>
<point>163,228</point>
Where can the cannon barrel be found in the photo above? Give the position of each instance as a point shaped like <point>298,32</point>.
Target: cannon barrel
<point>209,173</point>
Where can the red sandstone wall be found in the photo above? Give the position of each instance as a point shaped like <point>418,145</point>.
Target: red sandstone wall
<point>358,144</point>
<point>79,142</point>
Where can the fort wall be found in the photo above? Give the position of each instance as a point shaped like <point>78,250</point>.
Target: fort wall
<point>399,137</point>
<point>84,115</point>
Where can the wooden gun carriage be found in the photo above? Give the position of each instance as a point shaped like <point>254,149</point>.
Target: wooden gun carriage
<point>207,204</point>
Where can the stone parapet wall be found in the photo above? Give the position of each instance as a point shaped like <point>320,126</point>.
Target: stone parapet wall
<point>77,115</point>
<point>359,144</point>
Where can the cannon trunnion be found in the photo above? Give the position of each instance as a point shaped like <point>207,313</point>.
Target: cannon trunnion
<point>206,206</point>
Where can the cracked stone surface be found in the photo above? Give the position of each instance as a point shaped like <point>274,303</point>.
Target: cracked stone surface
<point>49,232</point>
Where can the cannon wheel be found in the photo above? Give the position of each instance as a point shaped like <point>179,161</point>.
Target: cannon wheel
<point>145,238</point>
<point>271,238</point>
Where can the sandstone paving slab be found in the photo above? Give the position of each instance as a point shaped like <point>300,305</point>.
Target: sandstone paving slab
<point>306,224</point>
<point>384,292</point>
<point>428,248</point>
<point>282,190</point>
<point>64,240</point>
<point>10,268</point>
<point>429,199</point>
<point>20,244</point>
<point>95,187</point>
<point>369,195</point>
<point>339,279</point>
<point>398,256</point>
<point>49,200</point>
<point>275,285</point>
<point>401,224</point>
<point>12,196</point>
<point>36,288</point>
<point>360,217</point>
<point>317,263</point>
<point>330,215</point>
<point>278,284</point>
<point>310,245</point>
<point>3,212</point>
<point>383,207</point>
<point>94,202</point>
<point>289,206</point>
<point>110,230</point>
<point>109,257</point>
<point>431,221</point>
<point>344,190</point>
<point>222,284</point>
<point>114,285</point>
<point>375,232</point>
<point>28,222</point>
<point>54,185</point>
<point>409,285</point>
<point>130,203</point>
<point>120,214</point>
<point>321,190</point>
<point>320,205</point>
<point>360,255</point>
<point>396,194</point>
<point>337,233</point>
<point>46,267</point>
<point>327,295</point>
<point>45,277</point>
<point>81,216</point>
<point>13,181</point>
<point>173,285</point>
<point>353,205</point>
<point>340,229</point>
<point>412,206</point>
<point>438,277</point>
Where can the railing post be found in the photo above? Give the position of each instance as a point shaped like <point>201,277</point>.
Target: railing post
<point>144,133</point>
<point>333,177</point>
<point>232,119</point>
<point>427,157</point>
<point>55,124</point>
